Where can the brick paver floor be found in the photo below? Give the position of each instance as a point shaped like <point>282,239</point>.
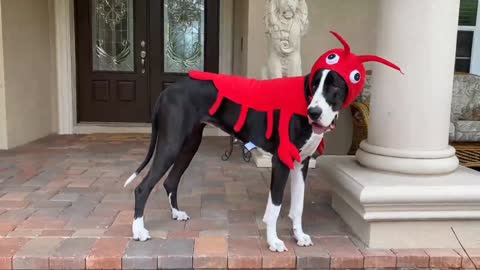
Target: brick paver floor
<point>63,206</point>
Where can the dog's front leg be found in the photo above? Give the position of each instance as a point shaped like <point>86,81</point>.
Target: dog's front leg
<point>277,186</point>
<point>297,178</point>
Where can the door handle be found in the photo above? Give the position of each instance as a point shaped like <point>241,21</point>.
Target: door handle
<point>143,55</point>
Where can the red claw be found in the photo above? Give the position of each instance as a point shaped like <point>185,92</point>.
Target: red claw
<point>288,153</point>
<point>289,163</point>
<point>284,155</point>
<point>294,152</point>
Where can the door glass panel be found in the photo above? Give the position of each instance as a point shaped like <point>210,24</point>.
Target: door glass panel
<point>184,28</point>
<point>113,35</point>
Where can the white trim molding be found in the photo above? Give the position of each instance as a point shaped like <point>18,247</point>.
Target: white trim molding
<point>65,61</point>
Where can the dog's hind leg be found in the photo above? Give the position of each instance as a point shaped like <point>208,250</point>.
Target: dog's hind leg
<point>189,148</point>
<point>163,160</point>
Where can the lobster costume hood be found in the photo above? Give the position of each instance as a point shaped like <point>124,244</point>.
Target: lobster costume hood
<point>287,95</point>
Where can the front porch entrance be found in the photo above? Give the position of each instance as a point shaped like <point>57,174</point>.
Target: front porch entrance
<point>129,51</point>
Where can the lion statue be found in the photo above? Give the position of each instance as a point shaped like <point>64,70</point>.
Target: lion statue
<point>286,22</point>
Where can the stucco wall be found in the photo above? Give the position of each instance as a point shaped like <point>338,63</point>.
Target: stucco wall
<point>27,59</point>
<point>353,19</point>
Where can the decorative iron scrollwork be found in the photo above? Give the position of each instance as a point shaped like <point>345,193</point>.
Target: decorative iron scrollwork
<point>183,30</point>
<point>112,11</point>
<point>114,59</point>
<point>113,35</point>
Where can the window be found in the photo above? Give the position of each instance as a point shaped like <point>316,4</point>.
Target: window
<point>467,57</point>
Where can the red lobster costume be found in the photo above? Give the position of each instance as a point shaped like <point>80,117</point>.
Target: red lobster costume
<point>287,94</point>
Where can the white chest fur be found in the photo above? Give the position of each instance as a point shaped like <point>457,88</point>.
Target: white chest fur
<point>310,145</point>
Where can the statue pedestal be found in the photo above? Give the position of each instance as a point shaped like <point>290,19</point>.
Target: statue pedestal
<point>263,159</point>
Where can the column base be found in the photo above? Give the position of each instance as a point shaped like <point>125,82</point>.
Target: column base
<point>389,210</point>
<point>263,159</point>
<point>407,161</point>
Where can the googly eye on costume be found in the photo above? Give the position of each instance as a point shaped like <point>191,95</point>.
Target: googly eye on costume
<point>355,76</point>
<point>333,58</point>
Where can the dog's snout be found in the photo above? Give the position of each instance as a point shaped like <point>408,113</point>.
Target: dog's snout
<point>315,113</point>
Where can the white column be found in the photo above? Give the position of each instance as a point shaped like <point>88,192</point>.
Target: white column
<point>405,188</point>
<point>410,114</point>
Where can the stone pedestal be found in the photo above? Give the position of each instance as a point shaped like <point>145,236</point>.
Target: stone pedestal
<point>392,210</point>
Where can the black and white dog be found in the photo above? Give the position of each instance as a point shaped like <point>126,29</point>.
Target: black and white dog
<point>179,117</point>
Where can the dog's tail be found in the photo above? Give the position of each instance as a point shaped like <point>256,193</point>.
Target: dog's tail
<point>151,149</point>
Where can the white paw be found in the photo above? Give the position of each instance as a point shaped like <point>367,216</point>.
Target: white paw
<point>179,215</point>
<point>304,240</point>
<point>141,235</point>
<point>277,245</point>
<point>139,231</point>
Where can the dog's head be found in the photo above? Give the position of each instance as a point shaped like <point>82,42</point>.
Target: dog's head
<point>328,94</point>
<point>337,78</point>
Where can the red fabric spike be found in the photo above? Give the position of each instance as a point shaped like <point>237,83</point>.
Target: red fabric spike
<point>241,119</point>
<point>216,105</point>
<point>321,147</point>
<point>346,46</point>
<point>287,152</point>
<point>374,58</point>
<point>269,132</point>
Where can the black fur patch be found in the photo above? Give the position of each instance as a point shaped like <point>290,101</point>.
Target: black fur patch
<point>335,89</point>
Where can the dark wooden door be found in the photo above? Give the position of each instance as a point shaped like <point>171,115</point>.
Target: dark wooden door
<point>128,51</point>
<point>112,83</point>
<point>183,36</point>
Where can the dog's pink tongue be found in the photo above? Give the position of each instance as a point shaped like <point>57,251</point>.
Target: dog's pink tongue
<point>318,129</point>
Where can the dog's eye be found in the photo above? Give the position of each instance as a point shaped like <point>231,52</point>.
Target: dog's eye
<point>355,76</point>
<point>333,58</point>
<point>315,84</point>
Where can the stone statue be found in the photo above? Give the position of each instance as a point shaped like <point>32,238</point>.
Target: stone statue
<point>286,22</point>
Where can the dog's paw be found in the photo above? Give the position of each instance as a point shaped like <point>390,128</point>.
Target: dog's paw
<point>179,215</point>
<point>304,240</point>
<point>277,245</point>
<point>141,234</point>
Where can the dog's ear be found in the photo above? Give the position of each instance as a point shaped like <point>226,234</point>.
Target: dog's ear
<point>306,86</point>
